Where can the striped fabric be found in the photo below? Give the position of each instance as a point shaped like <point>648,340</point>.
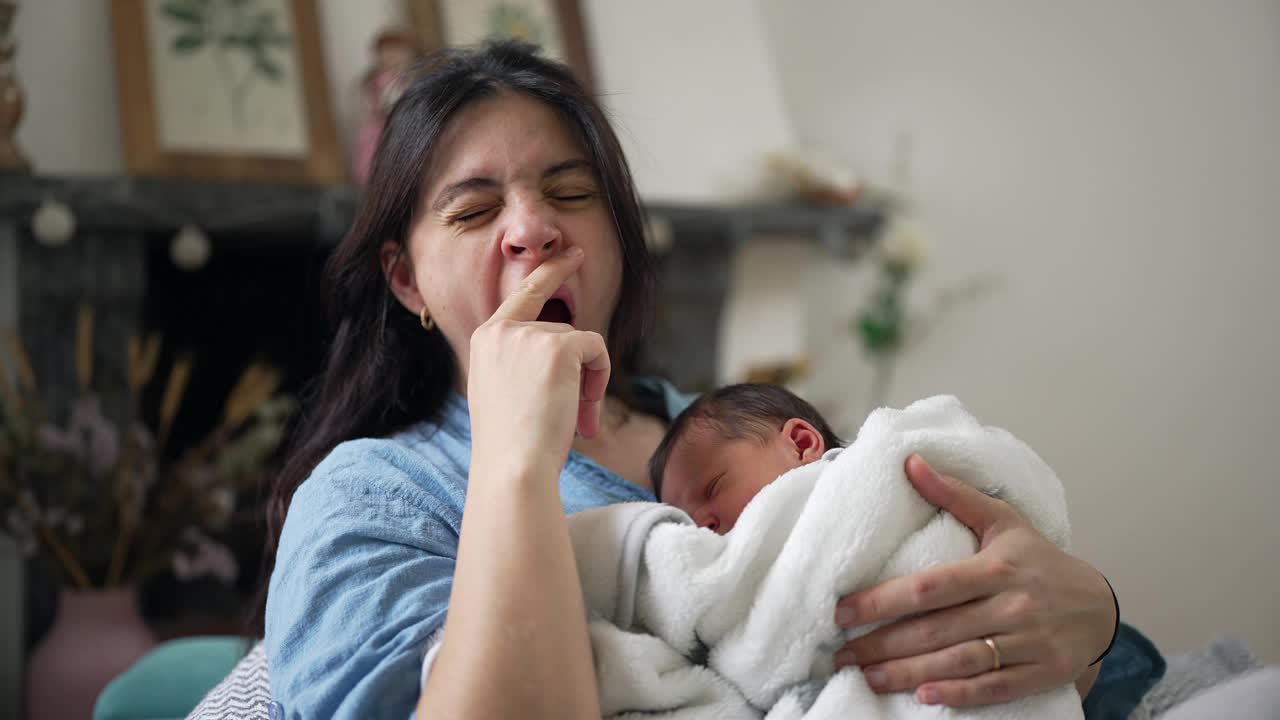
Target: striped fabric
<point>1222,660</point>
<point>245,694</point>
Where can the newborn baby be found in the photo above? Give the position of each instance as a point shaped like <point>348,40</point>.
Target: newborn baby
<point>729,444</point>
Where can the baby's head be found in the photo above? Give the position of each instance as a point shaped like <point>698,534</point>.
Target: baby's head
<point>729,444</point>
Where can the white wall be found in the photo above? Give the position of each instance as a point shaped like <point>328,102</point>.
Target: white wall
<point>650,61</point>
<point>1118,165</point>
<point>66,66</point>
<point>693,91</point>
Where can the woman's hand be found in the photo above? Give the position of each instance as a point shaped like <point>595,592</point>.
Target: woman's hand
<point>1049,613</point>
<point>516,606</point>
<point>530,383</point>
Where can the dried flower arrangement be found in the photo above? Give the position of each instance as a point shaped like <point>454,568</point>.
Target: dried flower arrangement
<point>97,498</point>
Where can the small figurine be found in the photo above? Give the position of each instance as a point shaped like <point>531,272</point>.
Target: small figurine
<point>395,51</point>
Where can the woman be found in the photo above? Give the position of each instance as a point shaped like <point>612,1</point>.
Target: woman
<point>489,304</point>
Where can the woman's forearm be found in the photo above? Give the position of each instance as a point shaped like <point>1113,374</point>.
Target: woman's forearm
<point>515,643</point>
<point>1084,683</point>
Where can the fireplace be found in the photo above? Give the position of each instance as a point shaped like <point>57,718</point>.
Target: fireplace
<point>257,299</point>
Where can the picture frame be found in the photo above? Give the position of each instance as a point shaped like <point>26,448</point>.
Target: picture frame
<point>230,90</point>
<point>555,25</point>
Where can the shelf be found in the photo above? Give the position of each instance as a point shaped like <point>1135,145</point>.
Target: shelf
<point>117,205</point>
<point>842,231</point>
<point>107,205</point>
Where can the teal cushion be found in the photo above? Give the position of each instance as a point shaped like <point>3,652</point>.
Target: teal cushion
<point>171,680</point>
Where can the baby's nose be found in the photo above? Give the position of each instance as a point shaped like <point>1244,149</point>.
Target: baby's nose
<point>707,519</point>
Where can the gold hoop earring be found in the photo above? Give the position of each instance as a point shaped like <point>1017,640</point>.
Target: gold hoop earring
<point>428,322</point>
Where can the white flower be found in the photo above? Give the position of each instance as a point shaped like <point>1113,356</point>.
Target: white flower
<point>904,243</point>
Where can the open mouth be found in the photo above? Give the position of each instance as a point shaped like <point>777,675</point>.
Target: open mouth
<point>557,311</point>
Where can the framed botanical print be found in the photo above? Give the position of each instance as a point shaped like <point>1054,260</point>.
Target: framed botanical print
<point>554,25</point>
<point>224,90</point>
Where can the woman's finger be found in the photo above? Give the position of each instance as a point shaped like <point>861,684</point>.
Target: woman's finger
<point>593,357</point>
<point>962,660</point>
<point>989,688</point>
<point>940,587</point>
<point>930,632</point>
<point>978,512</point>
<point>526,302</point>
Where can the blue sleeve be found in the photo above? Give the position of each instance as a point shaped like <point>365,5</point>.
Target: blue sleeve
<point>362,579</point>
<point>1131,669</point>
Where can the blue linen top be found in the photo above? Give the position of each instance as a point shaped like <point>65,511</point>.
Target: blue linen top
<point>366,558</point>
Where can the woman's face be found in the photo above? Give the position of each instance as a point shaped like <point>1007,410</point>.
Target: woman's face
<point>509,187</point>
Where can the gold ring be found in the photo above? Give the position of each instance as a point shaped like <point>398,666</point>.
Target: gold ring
<point>995,651</point>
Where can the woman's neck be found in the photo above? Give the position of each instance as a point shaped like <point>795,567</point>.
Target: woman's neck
<point>614,415</point>
<point>625,442</point>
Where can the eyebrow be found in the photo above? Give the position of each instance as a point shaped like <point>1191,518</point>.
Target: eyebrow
<point>451,192</point>
<point>569,166</point>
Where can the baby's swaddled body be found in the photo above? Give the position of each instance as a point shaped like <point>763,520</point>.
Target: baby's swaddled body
<point>742,625</point>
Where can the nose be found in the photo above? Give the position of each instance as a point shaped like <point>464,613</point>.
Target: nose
<point>705,518</point>
<point>531,235</point>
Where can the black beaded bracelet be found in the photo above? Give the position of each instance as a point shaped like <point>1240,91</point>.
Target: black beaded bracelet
<point>1115,630</point>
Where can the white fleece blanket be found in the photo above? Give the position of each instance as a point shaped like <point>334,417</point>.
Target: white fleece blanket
<point>698,626</point>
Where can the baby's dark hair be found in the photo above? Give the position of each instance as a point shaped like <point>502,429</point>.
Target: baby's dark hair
<point>748,411</point>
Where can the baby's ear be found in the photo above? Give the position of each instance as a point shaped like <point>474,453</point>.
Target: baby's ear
<point>804,440</point>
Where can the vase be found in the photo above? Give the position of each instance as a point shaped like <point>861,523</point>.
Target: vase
<point>96,636</point>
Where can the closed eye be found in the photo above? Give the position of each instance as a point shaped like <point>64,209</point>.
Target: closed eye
<point>469,216</point>
<point>713,487</point>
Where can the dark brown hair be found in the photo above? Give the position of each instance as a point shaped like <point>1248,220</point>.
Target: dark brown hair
<point>748,411</point>
<point>382,372</point>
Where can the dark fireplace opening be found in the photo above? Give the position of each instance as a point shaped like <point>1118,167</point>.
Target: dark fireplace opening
<point>257,299</point>
<point>250,302</point>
